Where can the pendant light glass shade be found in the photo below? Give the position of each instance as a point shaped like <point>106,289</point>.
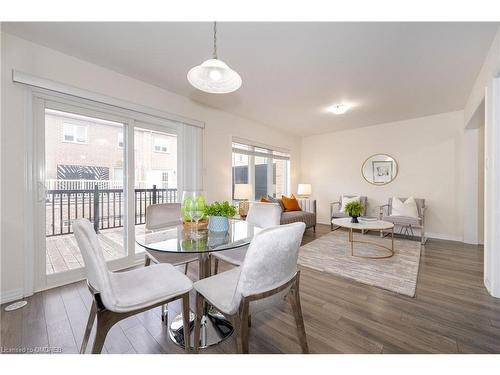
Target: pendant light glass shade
<point>215,77</point>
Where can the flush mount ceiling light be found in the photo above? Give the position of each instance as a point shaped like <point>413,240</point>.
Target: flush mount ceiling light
<point>339,109</point>
<point>213,75</point>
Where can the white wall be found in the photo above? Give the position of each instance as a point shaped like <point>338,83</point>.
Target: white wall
<point>429,154</point>
<point>489,69</point>
<point>46,63</point>
<point>485,98</point>
<point>480,195</point>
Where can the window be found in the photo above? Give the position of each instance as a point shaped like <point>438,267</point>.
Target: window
<point>160,145</point>
<point>74,133</point>
<point>164,179</point>
<point>265,169</point>
<point>120,140</point>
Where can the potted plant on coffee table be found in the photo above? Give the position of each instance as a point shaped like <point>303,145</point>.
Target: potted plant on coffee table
<point>354,210</point>
<point>218,216</point>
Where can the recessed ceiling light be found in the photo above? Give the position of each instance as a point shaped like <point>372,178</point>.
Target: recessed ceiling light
<point>339,109</point>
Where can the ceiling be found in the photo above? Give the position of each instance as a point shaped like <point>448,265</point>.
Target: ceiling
<point>292,71</point>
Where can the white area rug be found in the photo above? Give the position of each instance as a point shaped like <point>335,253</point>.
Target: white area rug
<point>331,253</point>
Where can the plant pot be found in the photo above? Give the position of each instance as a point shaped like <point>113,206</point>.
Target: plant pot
<point>218,224</point>
<point>354,219</point>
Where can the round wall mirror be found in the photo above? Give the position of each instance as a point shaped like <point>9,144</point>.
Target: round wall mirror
<point>379,169</point>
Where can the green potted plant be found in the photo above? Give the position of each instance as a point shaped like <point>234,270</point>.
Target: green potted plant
<point>218,216</point>
<point>354,210</point>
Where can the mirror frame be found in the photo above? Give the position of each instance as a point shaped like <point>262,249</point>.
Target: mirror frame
<point>385,183</point>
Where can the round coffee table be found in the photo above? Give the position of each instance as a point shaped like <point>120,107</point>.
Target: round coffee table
<point>365,226</point>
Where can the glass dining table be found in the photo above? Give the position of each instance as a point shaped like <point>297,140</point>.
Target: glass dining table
<point>179,239</point>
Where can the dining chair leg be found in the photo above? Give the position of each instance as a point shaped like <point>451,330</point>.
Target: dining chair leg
<point>185,321</point>
<point>88,329</point>
<point>186,269</point>
<point>147,261</point>
<point>105,320</point>
<point>197,324</point>
<point>164,313</point>
<point>297,312</point>
<point>216,266</point>
<point>244,329</point>
<point>236,322</point>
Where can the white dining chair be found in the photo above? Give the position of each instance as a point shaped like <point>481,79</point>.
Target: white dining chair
<point>159,216</point>
<point>262,215</point>
<point>268,274</point>
<point>118,295</point>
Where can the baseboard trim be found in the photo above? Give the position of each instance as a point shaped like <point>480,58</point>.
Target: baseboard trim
<point>11,295</point>
<point>447,237</point>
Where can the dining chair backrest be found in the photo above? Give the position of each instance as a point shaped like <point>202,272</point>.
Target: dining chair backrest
<point>264,215</point>
<point>271,261</point>
<point>96,270</point>
<point>162,214</point>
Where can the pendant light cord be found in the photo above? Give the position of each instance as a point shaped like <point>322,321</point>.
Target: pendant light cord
<point>215,40</point>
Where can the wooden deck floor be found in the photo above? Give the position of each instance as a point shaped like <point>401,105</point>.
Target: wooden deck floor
<point>63,253</point>
<point>451,313</point>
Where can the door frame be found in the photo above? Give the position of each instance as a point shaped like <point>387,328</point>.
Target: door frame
<point>37,100</point>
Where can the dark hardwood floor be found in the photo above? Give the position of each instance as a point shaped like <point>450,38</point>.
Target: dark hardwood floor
<point>452,313</point>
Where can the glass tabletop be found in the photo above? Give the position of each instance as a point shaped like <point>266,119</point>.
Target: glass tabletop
<point>180,239</point>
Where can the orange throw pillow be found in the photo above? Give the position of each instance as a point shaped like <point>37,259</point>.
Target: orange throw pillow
<point>291,204</point>
<point>264,200</point>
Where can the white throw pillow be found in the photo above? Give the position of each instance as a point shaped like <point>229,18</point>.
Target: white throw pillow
<point>408,208</point>
<point>346,200</point>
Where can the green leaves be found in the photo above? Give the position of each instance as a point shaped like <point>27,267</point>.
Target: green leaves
<point>220,209</point>
<point>354,208</point>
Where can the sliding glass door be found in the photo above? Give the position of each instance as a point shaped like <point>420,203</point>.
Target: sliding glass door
<point>100,166</point>
<point>156,170</point>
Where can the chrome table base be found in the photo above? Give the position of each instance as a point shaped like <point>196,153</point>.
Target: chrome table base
<point>215,328</point>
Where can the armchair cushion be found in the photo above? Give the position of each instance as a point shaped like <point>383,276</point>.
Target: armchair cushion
<point>408,208</point>
<point>345,200</point>
<point>402,220</point>
<point>338,215</point>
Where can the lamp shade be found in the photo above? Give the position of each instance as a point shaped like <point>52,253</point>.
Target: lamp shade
<point>304,189</point>
<point>243,191</point>
<point>215,77</point>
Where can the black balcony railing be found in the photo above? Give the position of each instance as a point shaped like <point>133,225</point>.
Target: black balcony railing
<point>104,208</point>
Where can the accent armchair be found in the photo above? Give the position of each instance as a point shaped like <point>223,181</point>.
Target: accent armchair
<point>268,274</point>
<point>335,207</point>
<point>406,223</point>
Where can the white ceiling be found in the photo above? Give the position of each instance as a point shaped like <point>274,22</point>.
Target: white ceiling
<point>292,71</point>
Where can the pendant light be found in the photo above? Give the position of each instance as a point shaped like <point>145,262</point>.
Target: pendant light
<point>213,75</point>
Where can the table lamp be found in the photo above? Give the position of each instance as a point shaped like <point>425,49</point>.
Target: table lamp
<point>304,190</point>
<point>243,192</point>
